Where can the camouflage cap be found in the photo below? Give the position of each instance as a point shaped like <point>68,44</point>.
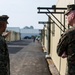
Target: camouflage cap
<point>4,18</point>
<point>70,8</point>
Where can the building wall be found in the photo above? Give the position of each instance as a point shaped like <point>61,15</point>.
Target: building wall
<point>13,36</point>
<point>45,38</point>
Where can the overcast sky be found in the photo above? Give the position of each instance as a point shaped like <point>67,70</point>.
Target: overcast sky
<point>24,12</point>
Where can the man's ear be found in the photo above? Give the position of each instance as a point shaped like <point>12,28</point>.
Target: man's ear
<point>72,16</point>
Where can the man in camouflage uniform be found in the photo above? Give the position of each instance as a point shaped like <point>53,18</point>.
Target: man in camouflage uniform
<point>66,45</point>
<point>4,55</point>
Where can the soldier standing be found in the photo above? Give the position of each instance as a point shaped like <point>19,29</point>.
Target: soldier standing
<point>4,55</point>
<point>66,45</point>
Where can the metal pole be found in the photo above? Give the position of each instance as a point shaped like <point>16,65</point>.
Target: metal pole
<point>55,22</point>
<point>49,35</point>
<point>58,20</point>
<point>64,21</point>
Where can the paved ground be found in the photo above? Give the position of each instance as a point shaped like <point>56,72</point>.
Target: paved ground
<point>27,58</point>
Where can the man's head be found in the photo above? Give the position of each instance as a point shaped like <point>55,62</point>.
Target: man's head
<point>3,23</point>
<point>71,14</point>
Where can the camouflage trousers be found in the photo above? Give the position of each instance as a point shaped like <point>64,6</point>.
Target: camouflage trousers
<point>70,69</point>
<point>4,69</point>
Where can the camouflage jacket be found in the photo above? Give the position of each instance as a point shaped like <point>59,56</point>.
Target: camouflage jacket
<point>4,57</point>
<point>67,44</point>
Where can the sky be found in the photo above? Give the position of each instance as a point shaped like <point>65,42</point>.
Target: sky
<point>24,12</point>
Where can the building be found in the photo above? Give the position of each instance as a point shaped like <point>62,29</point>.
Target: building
<point>52,32</point>
<point>29,32</point>
<point>25,31</point>
<point>14,33</point>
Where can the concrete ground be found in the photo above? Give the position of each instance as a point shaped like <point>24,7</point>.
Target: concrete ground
<point>27,58</point>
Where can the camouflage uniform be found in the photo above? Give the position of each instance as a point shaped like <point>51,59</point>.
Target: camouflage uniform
<point>4,57</point>
<point>67,44</point>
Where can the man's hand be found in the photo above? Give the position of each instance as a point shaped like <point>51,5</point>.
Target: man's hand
<point>64,55</point>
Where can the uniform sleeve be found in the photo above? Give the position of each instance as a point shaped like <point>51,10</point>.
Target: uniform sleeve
<point>62,45</point>
<point>4,58</point>
<point>2,50</point>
